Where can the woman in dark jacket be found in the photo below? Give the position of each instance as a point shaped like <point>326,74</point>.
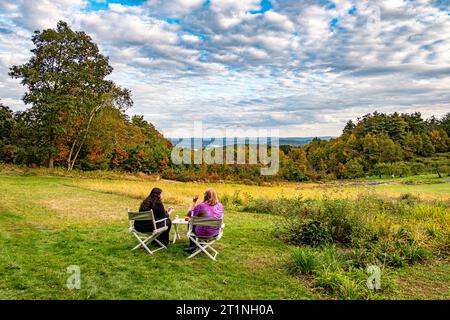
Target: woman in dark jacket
<point>154,202</point>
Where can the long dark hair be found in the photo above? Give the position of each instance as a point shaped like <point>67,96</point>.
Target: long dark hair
<point>154,198</point>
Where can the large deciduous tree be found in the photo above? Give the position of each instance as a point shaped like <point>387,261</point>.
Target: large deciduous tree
<point>7,124</point>
<point>67,88</point>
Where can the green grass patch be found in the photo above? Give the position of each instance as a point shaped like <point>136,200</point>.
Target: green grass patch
<point>48,223</point>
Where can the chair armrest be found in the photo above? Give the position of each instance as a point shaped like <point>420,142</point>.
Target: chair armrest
<point>158,221</point>
<point>164,219</point>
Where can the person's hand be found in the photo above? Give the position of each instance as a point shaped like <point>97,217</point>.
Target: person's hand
<point>170,209</point>
<point>194,200</point>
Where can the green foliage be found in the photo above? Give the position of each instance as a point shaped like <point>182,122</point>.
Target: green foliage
<point>352,225</point>
<point>401,169</point>
<point>304,260</point>
<point>417,168</point>
<point>327,268</point>
<point>354,169</point>
<point>383,169</point>
<point>380,144</point>
<point>355,240</point>
<point>66,85</point>
<point>7,125</point>
<point>314,233</point>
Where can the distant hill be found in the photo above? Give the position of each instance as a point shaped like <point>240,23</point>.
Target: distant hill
<point>300,141</point>
<point>208,142</point>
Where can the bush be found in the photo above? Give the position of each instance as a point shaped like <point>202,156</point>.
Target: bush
<point>304,260</point>
<point>401,169</point>
<point>330,273</point>
<point>233,200</point>
<point>354,169</point>
<point>417,168</point>
<point>312,233</point>
<point>324,222</point>
<point>344,236</point>
<point>340,284</point>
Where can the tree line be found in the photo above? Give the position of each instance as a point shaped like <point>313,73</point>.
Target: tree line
<point>377,144</point>
<point>77,119</point>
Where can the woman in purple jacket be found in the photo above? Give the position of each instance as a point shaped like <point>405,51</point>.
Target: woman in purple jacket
<point>211,208</point>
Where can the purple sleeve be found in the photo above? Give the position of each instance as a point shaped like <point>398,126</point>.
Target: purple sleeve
<point>195,211</point>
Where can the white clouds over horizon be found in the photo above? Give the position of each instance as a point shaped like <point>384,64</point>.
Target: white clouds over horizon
<point>303,67</point>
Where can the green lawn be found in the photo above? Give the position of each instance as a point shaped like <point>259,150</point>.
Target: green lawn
<point>46,225</point>
<point>49,223</point>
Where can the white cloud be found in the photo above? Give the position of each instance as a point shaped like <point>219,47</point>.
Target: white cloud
<point>191,38</point>
<point>301,66</point>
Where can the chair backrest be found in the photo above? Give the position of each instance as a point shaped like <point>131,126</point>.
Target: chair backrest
<point>206,222</point>
<point>141,216</point>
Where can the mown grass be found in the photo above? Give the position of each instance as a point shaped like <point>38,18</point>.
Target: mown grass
<point>48,223</point>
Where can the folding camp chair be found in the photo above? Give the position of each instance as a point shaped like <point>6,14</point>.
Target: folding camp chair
<point>152,235</point>
<point>203,244</point>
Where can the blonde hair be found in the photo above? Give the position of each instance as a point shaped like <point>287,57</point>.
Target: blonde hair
<point>211,197</point>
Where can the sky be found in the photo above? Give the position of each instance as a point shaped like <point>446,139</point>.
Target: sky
<point>302,67</point>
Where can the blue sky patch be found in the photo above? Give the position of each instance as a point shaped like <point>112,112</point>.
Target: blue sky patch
<point>103,5</point>
<point>265,6</point>
<point>333,24</point>
<point>173,21</point>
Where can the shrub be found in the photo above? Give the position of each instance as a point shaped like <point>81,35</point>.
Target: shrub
<point>304,260</point>
<point>359,258</point>
<point>329,280</point>
<point>280,206</point>
<point>233,200</point>
<point>349,289</point>
<point>312,233</point>
<point>417,168</point>
<point>353,169</point>
<point>340,284</point>
<point>331,272</point>
<point>344,236</point>
<point>324,222</point>
<point>399,253</point>
<point>401,169</point>
<point>259,206</point>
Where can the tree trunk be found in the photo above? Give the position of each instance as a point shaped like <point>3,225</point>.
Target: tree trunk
<point>439,174</point>
<point>71,161</point>
<point>50,162</point>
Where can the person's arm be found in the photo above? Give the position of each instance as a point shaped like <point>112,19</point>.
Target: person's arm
<point>192,207</point>
<point>159,211</point>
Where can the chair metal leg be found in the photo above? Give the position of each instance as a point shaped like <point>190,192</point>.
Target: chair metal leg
<point>143,243</point>
<point>175,235</point>
<point>203,248</point>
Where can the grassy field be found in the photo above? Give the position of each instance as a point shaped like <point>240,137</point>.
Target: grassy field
<point>48,223</point>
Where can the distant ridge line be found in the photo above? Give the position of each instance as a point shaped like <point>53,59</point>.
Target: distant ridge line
<point>208,141</point>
